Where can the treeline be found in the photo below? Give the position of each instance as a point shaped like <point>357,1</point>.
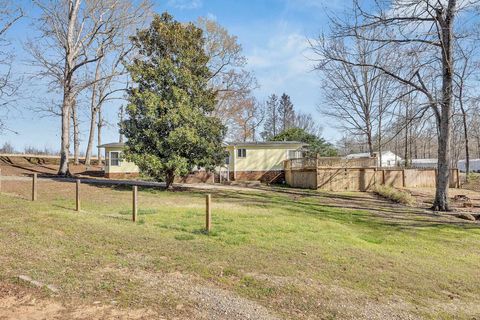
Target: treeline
<point>79,56</point>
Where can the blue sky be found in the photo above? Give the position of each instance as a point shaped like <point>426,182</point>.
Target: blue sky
<point>274,35</point>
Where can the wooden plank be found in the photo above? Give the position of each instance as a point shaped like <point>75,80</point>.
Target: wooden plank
<point>458,178</point>
<point>208,213</point>
<point>77,195</point>
<point>134,203</point>
<point>34,187</point>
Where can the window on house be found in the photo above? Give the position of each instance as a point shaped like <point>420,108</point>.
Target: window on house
<point>242,153</point>
<point>115,158</point>
<point>294,154</point>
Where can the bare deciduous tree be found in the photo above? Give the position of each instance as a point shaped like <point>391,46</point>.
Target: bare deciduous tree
<point>230,79</point>
<point>70,32</point>
<point>357,95</point>
<point>109,74</point>
<point>9,83</point>
<point>249,118</point>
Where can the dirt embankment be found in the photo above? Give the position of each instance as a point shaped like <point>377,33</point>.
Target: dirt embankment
<point>26,165</point>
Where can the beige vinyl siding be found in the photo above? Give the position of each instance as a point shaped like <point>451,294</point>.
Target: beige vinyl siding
<point>260,158</point>
<point>123,167</point>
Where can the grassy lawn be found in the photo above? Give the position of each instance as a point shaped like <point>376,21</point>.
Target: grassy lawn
<point>296,256</point>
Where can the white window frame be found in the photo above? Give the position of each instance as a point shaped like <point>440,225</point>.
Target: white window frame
<point>119,159</point>
<point>296,151</point>
<point>241,154</point>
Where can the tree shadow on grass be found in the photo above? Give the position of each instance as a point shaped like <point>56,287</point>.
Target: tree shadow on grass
<point>359,208</point>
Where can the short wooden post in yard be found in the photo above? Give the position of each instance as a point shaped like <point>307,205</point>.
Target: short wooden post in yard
<point>404,180</point>
<point>208,216</point>
<point>135,204</point>
<point>34,187</point>
<point>77,198</point>
<point>458,178</point>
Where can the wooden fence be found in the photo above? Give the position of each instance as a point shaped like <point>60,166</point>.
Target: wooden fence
<point>363,179</point>
<point>330,162</point>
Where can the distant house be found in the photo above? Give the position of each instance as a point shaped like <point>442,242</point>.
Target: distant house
<point>389,159</point>
<point>424,163</point>
<point>474,165</point>
<point>247,161</point>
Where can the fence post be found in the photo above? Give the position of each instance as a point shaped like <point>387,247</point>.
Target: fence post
<point>458,178</point>
<point>383,177</point>
<point>404,181</point>
<point>135,204</point>
<point>208,218</point>
<point>77,198</point>
<point>34,187</point>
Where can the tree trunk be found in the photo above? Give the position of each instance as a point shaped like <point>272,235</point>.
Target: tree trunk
<point>93,116</point>
<point>65,135</point>
<point>169,177</point>
<point>443,173</point>
<point>76,135</point>
<point>122,115</point>
<point>99,134</point>
<point>91,136</point>
<point>443,177</point>
<point>68,95</point>
<point>465,135</point>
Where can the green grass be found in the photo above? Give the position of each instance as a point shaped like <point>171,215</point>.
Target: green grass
<point>300,257</point>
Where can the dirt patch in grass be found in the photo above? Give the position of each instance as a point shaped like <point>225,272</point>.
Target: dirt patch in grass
<point>18,302</point>
<point>425,196</point>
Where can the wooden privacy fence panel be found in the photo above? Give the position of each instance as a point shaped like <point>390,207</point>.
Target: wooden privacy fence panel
<point>333,162</point>
<point>363,179</point>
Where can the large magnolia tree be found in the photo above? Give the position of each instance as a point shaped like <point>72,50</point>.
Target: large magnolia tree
<point>169,126</point>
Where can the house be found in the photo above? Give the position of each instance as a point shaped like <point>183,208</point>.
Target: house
<point>115,166</point>
<point>247,161</point>
<point>474,165</point>
<point>262,161</point>
<point>424,163</point>
<point>389,159</point>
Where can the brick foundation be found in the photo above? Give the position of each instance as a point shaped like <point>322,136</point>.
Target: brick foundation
<point>262,176</point>
<point>196,177</point>
<point>122,175</point>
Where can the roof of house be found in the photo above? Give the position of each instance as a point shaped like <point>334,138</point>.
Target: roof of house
<point>424,161</point>
<point>265,143</point>
<point>236,144</point>
<point>112,145</point>
<point>367,154</point>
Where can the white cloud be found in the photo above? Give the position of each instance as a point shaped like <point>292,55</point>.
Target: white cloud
<point>211,16</point>
<point>185,4</point>
<point>283,62</point>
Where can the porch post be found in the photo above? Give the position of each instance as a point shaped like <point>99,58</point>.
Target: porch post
<point>234,160</point>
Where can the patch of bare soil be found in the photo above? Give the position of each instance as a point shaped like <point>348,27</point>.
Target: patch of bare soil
<point>22,303</point>
<point>196,301</point>
<point>24,168</point>
<point>461,200</point>
<point>207,301</point>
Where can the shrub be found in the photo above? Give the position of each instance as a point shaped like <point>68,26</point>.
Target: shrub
<point>395,195</point>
